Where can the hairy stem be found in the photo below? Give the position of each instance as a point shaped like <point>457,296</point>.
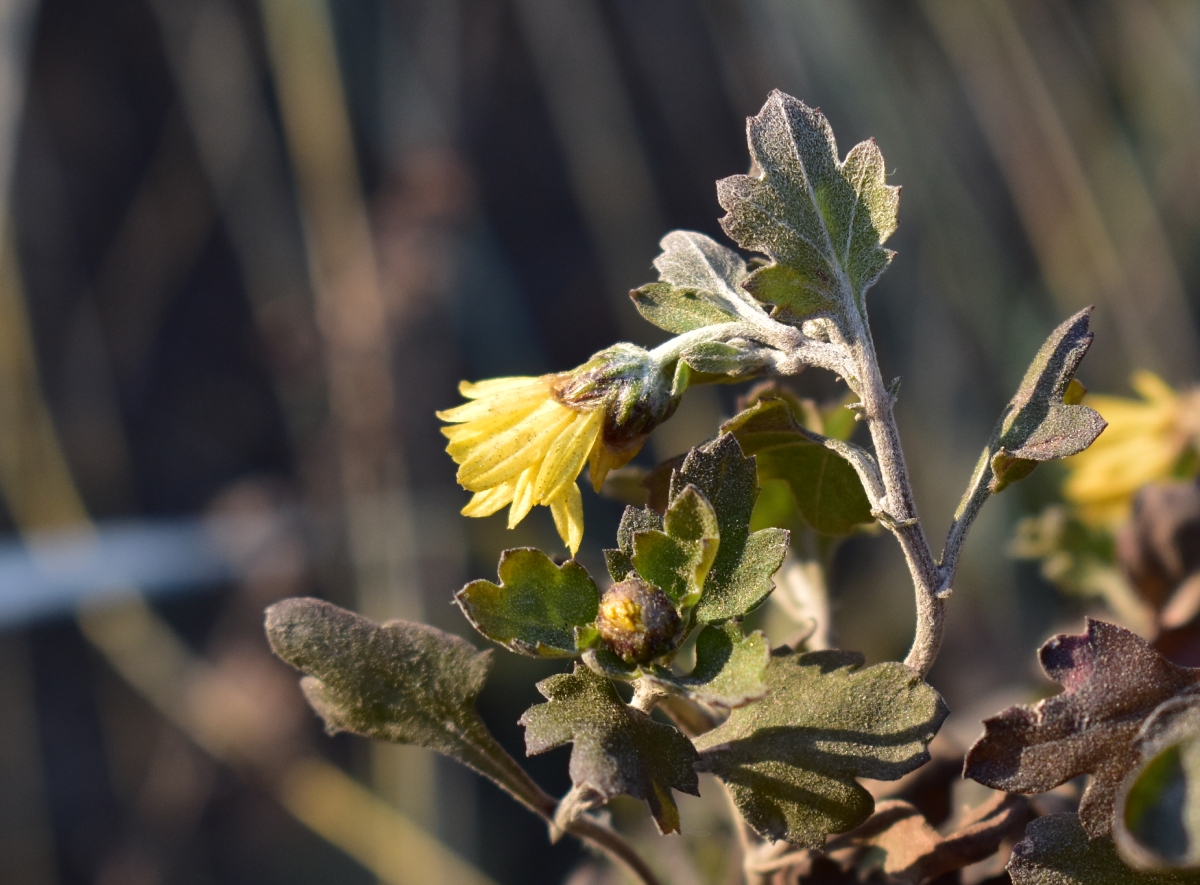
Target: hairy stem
<point>899,513</point>
<point>517,782</point>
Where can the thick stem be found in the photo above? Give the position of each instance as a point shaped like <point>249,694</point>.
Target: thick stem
<point>900,512</point>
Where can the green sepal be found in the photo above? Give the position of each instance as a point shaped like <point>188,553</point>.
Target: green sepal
<point>536,607</point>
<point>616,749</point>
<point>823,222</point>
<point>730,668</point>
<point>740,577</point>
<point>678,559</point>
<point>790,760</point>
<point>722,358</point>
<point>827,490</point>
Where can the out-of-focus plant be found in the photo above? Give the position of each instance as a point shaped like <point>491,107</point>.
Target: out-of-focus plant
<point>788,731</point>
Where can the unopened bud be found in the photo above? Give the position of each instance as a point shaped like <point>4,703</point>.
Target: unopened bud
<point>638,621</point>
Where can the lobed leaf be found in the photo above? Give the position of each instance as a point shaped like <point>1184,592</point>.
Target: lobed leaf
<point>678,560</point>
<point>1113,681</point>
<point>740,577</point>
<point>633,521</point>
<point>790,760</point>
<point>1044,421</point>
<point>616,749</point>
<point>401,682</point>
<point>823,222</point>
<point>826,488</point>
<point>1056,850</point>
<point>1157,821</point>
<point>700,284</point>
<point>537,605</point>
<point>730,668</point>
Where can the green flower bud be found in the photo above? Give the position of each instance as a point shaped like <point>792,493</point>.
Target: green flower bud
<point>635,393</point>
<point>637,621</point>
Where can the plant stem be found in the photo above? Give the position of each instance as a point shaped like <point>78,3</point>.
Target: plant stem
<point>517,782</point>
<point>900,511</point>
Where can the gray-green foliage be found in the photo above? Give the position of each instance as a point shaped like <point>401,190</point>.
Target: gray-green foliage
<point>537,605</point>
<point>616,749</point>
<point>677,560</point>
<point>1044,420</point>
<point>700,284</point>
<point>1057,851</point>
<point>822,221</point>
<point>791,759</point>
<point>827,491</point>
<point>400,682</point>
<point>730,668</point>
<point>740,577</point>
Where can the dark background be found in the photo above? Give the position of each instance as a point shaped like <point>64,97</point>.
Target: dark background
<point>251,248</point>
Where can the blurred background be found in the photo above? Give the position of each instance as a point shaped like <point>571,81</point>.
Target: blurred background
<point>248,248</point>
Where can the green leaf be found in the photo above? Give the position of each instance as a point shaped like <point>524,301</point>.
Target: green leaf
<point>791,759</point>
<point>740,577</point>
<point>700,285</point>
<point>617,750</point>
<point>730,668</point>
<point>1057,851</point>
<point>823,222</point>
<point>1157,820</point>
<point>633,521</point>
<point>828,492</point>
<point>1113,681</point>
<point>536,607</point>
<point>1039,425</point>
<point>400,682</point>
<point>678,560</point>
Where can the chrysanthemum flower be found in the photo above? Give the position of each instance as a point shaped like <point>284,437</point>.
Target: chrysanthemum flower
<point>1147,440</point>
<point>523,441</point>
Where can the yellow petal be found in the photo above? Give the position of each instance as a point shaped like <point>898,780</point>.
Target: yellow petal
<point>522,498</point>
<point>497,404</point>
<point>488,502</point>
<point>1151,387</point>
<point>566,455</point>
<point>504,456</point>
<point>567,510</point>
<point>465,437</point>
<point>496,385</point>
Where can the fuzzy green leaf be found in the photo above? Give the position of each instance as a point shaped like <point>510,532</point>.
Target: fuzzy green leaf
<point>823,222</point>
<point>723,358</point>
<point>678,560</point>
<point>633,521</point>
<point>1039,423</point>
<point>791,759</point>
<point>1113,681</point>
<point>828,492</point>
<point>617,750</point>
<point>730,668</point>
<point>400,682</point>
<point>740,577</point>
<point>537,605</point>
<point>1057,851</point>
<point>700,285</point>
<point>1157,820</point>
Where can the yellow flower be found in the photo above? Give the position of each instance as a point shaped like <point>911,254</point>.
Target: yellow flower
<point>516,446</point>
<point>1146,441</point>
<point>523,441</point>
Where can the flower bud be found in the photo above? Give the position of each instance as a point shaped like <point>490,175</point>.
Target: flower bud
<point>636,397</point>
<point>637,621</point>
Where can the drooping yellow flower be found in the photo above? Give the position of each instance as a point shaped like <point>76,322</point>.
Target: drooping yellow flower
<point>523,441</point>
<point>1147,440</point>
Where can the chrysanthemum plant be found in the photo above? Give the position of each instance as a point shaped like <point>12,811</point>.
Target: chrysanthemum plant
<point>786,731</point>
